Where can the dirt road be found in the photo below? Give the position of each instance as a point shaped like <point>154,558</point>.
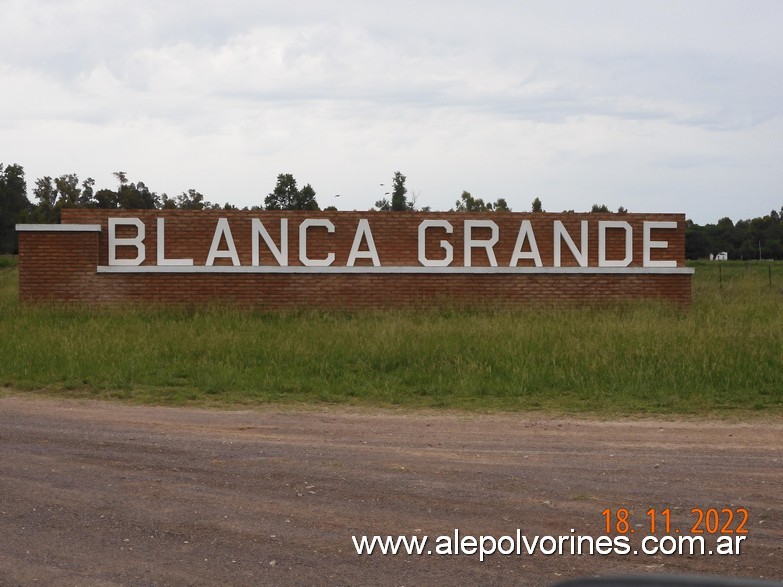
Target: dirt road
<point>101,494</point>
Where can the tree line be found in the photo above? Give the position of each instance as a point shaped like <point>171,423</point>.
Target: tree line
<point>757,238</point>
<point>51,195</point>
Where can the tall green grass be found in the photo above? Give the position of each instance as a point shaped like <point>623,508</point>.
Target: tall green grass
<point>724,355</point>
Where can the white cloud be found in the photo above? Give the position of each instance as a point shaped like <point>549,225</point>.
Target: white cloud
<point>655,106</point>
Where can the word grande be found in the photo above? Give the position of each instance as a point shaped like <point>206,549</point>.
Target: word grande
<point>479,237</point>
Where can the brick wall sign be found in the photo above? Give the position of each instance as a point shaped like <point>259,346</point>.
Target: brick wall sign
<point>276,259</point>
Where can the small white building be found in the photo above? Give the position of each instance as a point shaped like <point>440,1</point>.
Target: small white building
<point>722,256</point>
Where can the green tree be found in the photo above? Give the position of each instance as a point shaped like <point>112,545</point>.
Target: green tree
<point>68,191</point>
<point>62,192</point>
<point>467,203</point>
<point>87,199</point>
<point>399,199</point>
<point>14,205</point>
<point>603,208</point>
<point>46,210</point>
<point>106,199</point>
<point>756,238</point>
<point>136,196</point>
<point>192,200</point>
<point>130,196</point>
<point>167,203</point>
<point>305,199</point>
<point>286,196</point>
<point>696,244</point>
<point>537,206</point>
<point>501,205</point>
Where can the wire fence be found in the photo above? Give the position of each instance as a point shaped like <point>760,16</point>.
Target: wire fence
<point>762,273</point>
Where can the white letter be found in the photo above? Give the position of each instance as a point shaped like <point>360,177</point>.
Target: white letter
<point>363,230</point>
<point>667,545</point>
<point>544,549</point>
<point>602,226</point>
<point>469,545</point>
<point>303,242</point>
<point>654,549</point>
<point>651,244</point>
<point>137,241</point>
<point>485,550</point>
<point>579,254</point>
<point>526,232</point>
<point>162,260</point>
<point>603,545</point>
<point>443,545</point>
<point>445,245</point>
<point>737,541</point>
<point>621,545</point>
<point>222,229</point>
<point>509,549</point>
<point>471,243</point>
<point>281,254</point>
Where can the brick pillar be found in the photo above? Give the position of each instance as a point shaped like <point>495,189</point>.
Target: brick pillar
<point>57,262</point>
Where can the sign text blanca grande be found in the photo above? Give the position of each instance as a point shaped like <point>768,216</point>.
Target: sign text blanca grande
<point>525,250</point>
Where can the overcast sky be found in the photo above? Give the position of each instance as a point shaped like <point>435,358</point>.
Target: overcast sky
<point>657,106</point>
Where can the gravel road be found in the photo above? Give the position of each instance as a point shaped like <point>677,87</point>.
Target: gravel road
<point>102,494</point>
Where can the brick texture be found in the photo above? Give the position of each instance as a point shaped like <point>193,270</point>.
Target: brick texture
<point>62,266</point>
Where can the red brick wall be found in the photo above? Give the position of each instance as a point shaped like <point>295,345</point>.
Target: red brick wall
<point>57,266</point>
<point>62,265</point>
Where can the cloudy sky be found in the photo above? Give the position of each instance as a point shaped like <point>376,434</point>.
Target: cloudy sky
<point>670,106</point>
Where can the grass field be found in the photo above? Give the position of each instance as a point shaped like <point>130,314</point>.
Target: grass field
<point>724,356</point>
